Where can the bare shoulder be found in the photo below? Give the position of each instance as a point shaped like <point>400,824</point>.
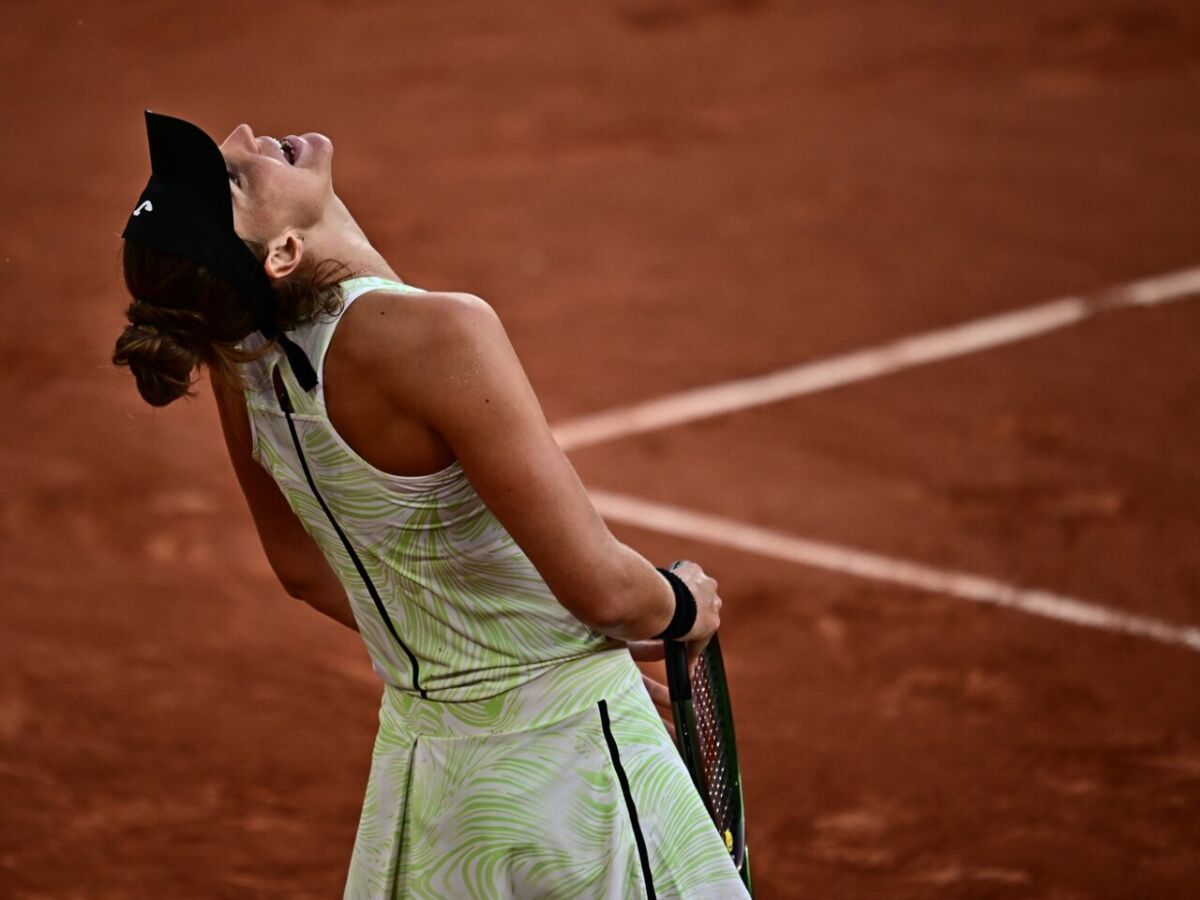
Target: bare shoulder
<point>422,353</point>
<point>380,323</point>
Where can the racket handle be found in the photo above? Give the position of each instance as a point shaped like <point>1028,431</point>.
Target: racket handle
<point>678,681</point>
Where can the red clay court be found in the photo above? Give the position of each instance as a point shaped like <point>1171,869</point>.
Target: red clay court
<point>961,564</point>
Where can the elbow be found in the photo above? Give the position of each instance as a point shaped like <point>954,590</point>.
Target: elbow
<point>299,588</point>
<point>295,590</point>
<point>609,619</point>
<point>298,577</point>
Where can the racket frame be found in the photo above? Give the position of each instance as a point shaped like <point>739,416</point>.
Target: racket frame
<point>687,737</point>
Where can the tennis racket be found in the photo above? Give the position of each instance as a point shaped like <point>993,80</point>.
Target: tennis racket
<point>704,732</point>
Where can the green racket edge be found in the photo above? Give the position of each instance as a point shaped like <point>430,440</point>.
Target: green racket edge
<point>687,738</point>
<point>714,659</point>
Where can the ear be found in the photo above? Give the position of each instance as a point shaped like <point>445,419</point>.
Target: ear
<point>284,255</point>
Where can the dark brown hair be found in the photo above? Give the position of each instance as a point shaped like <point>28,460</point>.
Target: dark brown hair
<point>182,315</point>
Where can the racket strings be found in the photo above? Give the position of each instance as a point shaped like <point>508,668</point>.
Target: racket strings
<point>714,755</point>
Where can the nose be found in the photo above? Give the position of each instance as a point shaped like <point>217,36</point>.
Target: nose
<point>241,138</point>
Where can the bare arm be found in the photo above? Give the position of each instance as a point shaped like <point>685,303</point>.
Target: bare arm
<point>448,361</point>
<point>294,556</point>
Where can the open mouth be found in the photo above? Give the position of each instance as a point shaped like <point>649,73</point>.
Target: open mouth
<point>286,148</point>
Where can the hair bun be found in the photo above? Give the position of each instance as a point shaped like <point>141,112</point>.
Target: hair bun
<point>160,347</point>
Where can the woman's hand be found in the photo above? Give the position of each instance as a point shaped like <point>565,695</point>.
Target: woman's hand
<point>708,616</point>
<point>708,608</point>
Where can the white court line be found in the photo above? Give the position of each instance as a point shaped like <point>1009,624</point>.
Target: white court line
<point>808,378</point>
<point>979,589</point>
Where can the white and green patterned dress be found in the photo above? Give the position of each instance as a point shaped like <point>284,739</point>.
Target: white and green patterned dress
<point>518,754</point>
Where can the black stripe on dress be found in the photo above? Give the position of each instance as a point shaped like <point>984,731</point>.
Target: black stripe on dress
<point>285,403</point>
<point>629,804</point>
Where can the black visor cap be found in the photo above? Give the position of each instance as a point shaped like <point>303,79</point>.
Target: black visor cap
<point>186,209</point>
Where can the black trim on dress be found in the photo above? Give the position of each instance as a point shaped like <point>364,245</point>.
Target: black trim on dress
<point>633,816</point>
<point>285,403</point>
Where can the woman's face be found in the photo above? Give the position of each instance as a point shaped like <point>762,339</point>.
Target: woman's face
<point>277,185</point>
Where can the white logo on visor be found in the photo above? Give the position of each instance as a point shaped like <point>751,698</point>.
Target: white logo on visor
<point>144,205</point>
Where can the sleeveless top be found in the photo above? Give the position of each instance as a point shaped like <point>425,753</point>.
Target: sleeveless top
<point>448,605</point>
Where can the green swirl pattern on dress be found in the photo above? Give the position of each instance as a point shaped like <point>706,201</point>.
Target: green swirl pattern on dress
<point>462,595</point>
<point>500,784</point>
<point>519,798</point>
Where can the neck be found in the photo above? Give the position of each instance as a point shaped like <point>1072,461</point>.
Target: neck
<point>338,237</point>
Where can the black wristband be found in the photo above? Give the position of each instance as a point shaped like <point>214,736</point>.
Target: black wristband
<point>685,609</point>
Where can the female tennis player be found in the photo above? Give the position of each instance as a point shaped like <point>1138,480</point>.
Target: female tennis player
<point>403,481</point>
